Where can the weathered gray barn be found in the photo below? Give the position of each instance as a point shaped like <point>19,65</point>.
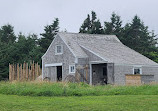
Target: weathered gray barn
<point>98,58</point>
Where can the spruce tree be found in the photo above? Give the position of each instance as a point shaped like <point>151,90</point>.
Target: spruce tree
<point>48,35</point>
<point>137,36</point>
<point>91,25</point>
<point>114,27</point>
<point>7,34</point>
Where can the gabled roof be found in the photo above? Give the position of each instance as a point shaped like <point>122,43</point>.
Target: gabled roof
<point>108,47</point>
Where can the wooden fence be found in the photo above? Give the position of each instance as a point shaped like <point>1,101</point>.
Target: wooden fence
<point>24,72</point>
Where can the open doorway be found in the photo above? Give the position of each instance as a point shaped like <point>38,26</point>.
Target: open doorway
<point>59,73</point>
<point>105,74</point>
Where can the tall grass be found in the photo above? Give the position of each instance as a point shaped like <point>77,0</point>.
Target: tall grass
<point>72,89</point>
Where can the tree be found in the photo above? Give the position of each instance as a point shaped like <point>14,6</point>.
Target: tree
<point>7,34</point>
<point>91,25</point>
<point>114,27</point>
<point>7,39</point>
<point>3,61</point>
<point>24,49</point>
<point>48,35</point>
<point>137,36</point>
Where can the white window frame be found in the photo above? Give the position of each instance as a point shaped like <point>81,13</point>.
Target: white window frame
<point>137,67</point>
<point>70,69</point>
<point>56,53</point>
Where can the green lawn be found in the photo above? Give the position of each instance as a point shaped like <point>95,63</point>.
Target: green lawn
<point>84,103</point>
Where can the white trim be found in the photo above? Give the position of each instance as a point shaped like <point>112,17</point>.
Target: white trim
<point>56,53</point>
<point>70,69</point>
<point>139,67</point>
<point>93,53</point>
<point>53,64</point>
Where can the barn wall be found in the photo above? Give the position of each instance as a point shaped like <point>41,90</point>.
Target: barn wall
<point>110,72</point>
<point>151,70</point>
<point>119,73</point>
<point>121,70</point>
<point>84,62</point>
<point>66,58</point>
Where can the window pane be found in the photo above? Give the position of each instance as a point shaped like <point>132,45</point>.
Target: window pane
<point>72,69</point>
<point>136,71</point>
<point>58,49</point>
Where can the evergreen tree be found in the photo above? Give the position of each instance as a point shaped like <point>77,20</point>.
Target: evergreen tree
<point>137,36</point>
<point>91,25</point>
<point>114,27</point>
<point>4,61</point>
<point>7,34</point>
<point>7,39</point>
<point>48,35</point>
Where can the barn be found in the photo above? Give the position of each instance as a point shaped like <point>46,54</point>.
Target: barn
<point>96,59</point>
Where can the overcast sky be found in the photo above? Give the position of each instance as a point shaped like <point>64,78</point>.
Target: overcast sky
<point>30,16</point>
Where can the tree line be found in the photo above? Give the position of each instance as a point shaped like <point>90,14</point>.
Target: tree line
<point>20,48</point>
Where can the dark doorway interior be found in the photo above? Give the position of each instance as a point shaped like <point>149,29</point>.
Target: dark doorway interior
<point>99,74</point>
<point>105,75</point>
<point>59,73</point>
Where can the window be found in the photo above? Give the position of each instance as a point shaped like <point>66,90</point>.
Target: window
<point>58,50</point>
<point>72,69</point>
<point>137,70</point>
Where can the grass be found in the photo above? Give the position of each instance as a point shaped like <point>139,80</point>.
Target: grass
<point>72,89</point>
<point>44,96</point>
<point>84,103</point>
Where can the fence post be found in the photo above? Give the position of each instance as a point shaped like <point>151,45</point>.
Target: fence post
<point>17,72</point>
<point>13,71</point>
<point>21,73</point>
<point>33,71</point>
<point>37,72</point>
<point>26,71</point>
<point>30,76</point>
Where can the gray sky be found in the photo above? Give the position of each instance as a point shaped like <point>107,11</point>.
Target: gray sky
<point>30,16</point>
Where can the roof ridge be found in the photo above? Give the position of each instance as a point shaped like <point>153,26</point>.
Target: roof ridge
<point>85,34</point>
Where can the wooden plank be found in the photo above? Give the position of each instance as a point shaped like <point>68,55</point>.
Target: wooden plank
<point>13,71</point>
<point>33,71</point>
<point>133,79</point>
<point>26,71</point>
<point>37,70</point>
<point>17,72</point>
<point>21,74</point>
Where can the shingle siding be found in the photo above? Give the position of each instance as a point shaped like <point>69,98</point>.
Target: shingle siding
<point>149,70</point>
<point>119,73</point>
<point>91,56</point>
<point>66,59</point>
<point>121,70</point>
